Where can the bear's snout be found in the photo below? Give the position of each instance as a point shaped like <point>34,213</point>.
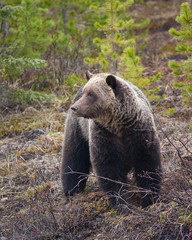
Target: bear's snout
<point>74,108</point>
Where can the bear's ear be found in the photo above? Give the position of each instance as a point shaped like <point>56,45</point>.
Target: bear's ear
<point>111,81</point>
<point>88,75</point>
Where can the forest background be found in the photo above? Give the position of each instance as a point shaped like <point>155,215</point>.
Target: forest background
<point>45,48</point>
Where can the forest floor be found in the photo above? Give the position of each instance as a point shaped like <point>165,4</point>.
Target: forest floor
<point>32,205</point>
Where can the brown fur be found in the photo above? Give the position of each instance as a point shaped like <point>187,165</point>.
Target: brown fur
<point>112,120</point>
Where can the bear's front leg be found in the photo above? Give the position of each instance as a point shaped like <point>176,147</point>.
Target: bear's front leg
<point>75,158</point>
<point>147,161</point>
<point>107,158</point>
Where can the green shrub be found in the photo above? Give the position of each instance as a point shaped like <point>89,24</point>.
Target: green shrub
<point>15,97</point>
<point>183,69</point>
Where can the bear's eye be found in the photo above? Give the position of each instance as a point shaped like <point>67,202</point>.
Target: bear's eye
<point>91,96</point>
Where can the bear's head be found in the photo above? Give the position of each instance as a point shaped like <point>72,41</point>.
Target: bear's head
<point>108,100</point>
<point>98,97</point>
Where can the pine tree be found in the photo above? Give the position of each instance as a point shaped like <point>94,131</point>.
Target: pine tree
<point>115,45</point>
<point>29,28</point>
<point>183,69</point>
<point>79,24</point>
<point>72,36</point>
<point>60,30</point>
<point>23,38</point>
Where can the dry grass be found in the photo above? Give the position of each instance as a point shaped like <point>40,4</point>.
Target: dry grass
<point>33,207</point>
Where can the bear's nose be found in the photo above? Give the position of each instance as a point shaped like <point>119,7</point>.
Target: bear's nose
<point>74,108</point>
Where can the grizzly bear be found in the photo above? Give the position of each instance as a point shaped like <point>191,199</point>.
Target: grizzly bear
<point>110,126</point>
